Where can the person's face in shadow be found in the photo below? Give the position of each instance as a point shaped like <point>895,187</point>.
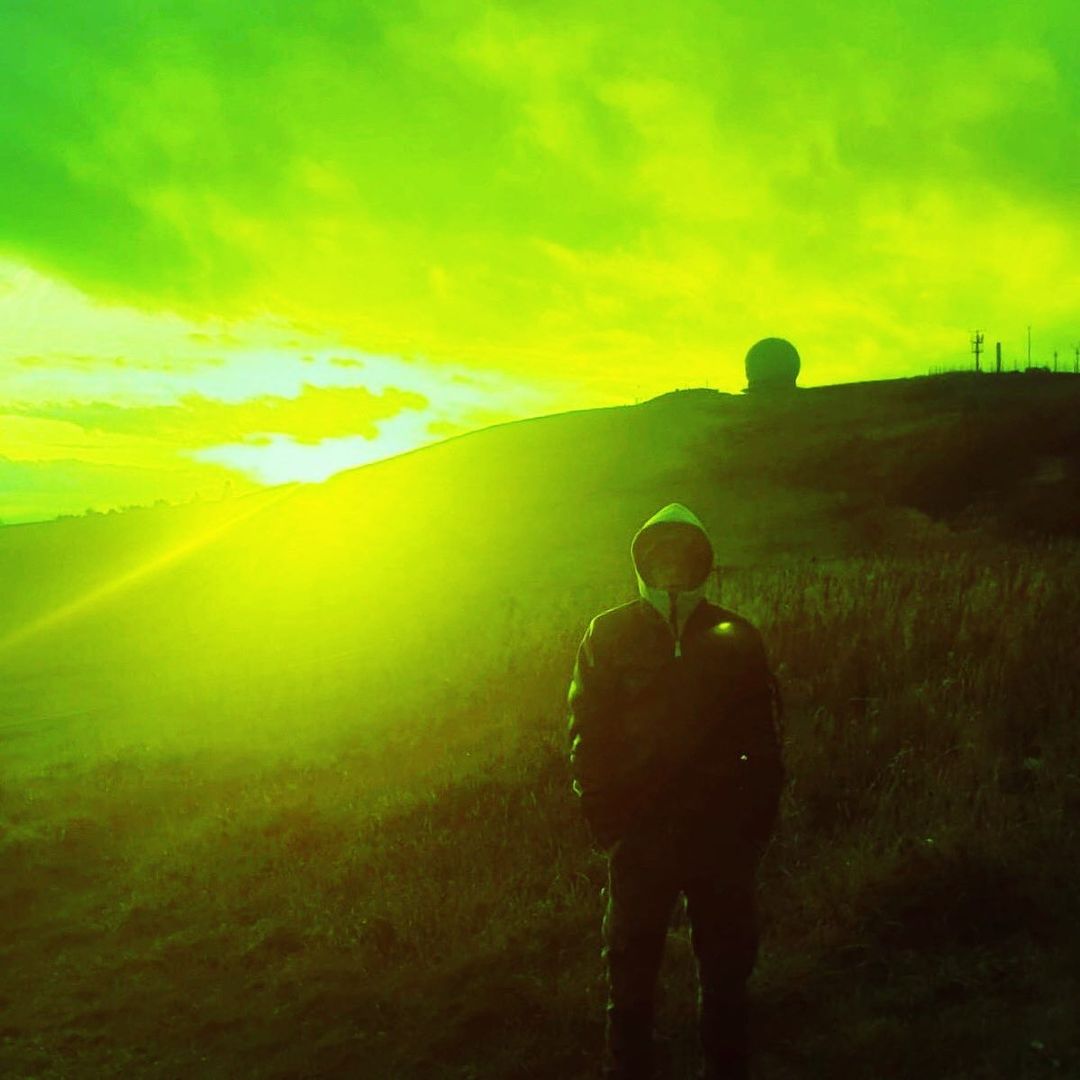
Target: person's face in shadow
<point>673,564</point>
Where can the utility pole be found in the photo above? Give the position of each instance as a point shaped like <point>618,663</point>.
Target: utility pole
<point>997,363</point>
<point>1055,360</point>
<point>976,347</point>
<point>1029,346</point>
<point>1076,359</point>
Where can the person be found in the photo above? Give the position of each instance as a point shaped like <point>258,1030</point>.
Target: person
<point>675,755</point>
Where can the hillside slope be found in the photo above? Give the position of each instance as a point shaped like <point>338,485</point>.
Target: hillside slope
<point>283,781</point>
<point>172,612</point>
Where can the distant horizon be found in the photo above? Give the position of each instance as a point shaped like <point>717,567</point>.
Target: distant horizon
<point>230,490</point>
<point>229,483</point>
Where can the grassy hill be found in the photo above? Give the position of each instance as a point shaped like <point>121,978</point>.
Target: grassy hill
<point>283,788</point>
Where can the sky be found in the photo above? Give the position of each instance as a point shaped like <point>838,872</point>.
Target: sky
<point>249,244</point>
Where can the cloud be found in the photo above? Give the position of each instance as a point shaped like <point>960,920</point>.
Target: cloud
<point>400,174</point>
<point>267,412</point>
<point>322,165</point>
<point>54,332</point>
<point>195,421</point>
<point>95,361</point>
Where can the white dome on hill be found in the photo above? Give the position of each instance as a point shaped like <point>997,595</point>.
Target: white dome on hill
<point>772,364</point>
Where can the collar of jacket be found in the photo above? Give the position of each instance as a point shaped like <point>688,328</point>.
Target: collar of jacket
<point>686,603</point>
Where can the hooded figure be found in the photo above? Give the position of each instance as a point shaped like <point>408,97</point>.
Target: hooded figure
<point>673,724</point>
<point>673,558</point>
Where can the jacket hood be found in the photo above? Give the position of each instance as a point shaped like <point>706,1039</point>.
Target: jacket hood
<point>673,538</point>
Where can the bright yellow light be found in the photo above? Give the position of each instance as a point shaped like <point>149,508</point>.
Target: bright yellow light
<point>158,562</point>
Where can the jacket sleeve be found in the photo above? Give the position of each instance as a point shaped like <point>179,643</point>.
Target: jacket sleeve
<point>756,715</point>
<point>592,729</point>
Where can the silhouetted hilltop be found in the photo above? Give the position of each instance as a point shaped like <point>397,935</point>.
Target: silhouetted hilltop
<point>410,554</point>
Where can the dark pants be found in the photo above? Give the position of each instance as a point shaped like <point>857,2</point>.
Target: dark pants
<point>646,874</point>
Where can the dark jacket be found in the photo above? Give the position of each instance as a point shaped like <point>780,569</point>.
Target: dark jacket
<point>673,717</point>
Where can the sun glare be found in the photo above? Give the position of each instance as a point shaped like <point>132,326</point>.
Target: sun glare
<point>280,459</point>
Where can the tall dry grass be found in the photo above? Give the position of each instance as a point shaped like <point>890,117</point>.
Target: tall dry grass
<point>419,899</point>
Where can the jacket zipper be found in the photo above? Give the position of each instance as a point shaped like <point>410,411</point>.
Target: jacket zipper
<point>674,621</point>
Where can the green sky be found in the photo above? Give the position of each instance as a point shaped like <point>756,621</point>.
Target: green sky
<point>260,242</point>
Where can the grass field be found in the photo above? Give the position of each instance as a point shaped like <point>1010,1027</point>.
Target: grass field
<point>416,896</point>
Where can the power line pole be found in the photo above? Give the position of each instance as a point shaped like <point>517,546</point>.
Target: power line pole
<point>1055,360</point>
<point>976,347</point>
<point>997,363</point>
<point>1029,346</point>
<point>1076,359</point>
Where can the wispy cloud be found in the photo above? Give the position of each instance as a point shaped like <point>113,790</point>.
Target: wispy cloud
<point>315,413</point>
<point>400,173</point>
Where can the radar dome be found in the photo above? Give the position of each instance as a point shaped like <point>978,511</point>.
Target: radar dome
<point>772,364</point>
